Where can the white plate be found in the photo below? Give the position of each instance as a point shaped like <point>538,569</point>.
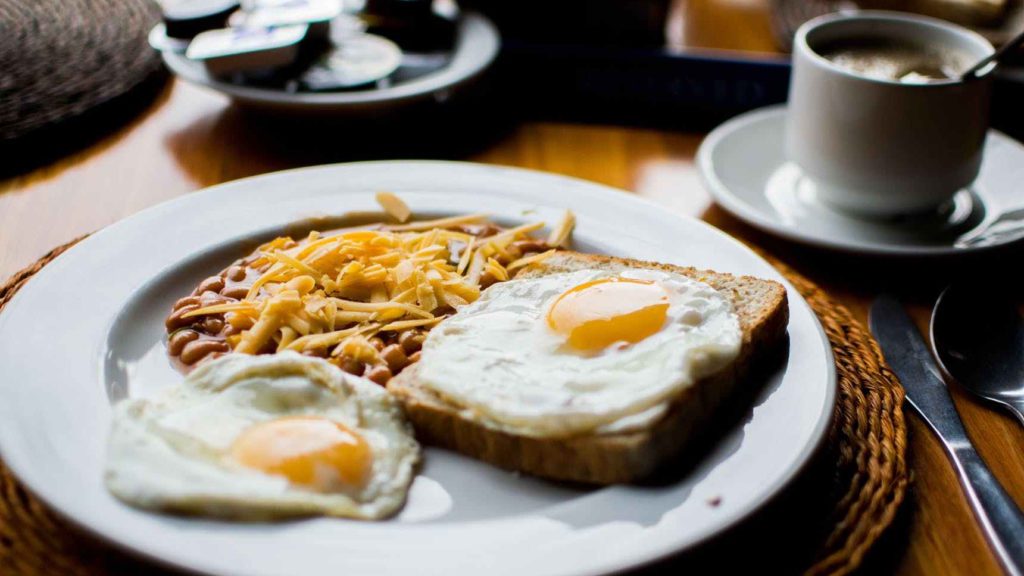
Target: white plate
<point>744,167</point>
<point>476,46</point>
<point>88,329</point>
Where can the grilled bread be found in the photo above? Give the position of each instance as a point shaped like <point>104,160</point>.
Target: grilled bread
<point>613,457</point>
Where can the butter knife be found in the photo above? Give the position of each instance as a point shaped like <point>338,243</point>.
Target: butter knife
<point>907,354</point>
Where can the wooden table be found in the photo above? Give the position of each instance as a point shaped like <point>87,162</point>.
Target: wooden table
<point>188,139</point>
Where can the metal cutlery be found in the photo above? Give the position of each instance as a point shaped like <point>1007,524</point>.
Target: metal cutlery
<point>978,338</point>
<point>907,354</point>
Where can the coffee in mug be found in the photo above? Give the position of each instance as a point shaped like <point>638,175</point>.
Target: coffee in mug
<point>896,60</point>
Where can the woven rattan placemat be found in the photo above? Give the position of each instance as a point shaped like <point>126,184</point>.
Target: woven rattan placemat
<point>867,441</point>
<point>61,58</point>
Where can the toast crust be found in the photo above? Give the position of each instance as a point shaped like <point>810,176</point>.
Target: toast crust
<point>611,458</point>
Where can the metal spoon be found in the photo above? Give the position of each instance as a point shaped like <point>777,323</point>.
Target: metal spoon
<point>1009,46</point>
<point>978,337</point>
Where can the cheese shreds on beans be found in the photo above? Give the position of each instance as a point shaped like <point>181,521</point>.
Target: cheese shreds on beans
<point>329,295</point>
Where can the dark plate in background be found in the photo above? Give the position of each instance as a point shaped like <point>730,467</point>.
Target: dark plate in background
<point>608,61</point>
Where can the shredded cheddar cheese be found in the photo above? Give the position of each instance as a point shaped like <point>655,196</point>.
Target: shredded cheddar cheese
<point>560,235</point>
<point>332,293</point>
<point>394,206</point>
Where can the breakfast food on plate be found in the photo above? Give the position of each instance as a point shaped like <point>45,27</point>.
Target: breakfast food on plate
<point>590,368</point>
<point>361,298</point>
<point>498,344</point>
<point>259,437</point>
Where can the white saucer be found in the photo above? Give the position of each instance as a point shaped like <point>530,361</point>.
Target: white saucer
<point>743,165</point>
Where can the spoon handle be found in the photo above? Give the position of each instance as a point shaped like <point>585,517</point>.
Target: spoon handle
<point>998,514</point>
<point>1011,44</point>
<point>1017,407</point>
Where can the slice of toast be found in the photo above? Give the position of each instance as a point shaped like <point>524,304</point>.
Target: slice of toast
<point>609,458</point>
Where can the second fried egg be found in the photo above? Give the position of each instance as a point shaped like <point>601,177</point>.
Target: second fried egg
<point>254,437</point>
<point>568,353</point>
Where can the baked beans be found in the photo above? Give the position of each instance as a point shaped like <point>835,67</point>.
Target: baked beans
<point>236,292</point>
<point>198,349</point>
<point>196,338</point>
<point>394,357</point>
<point>177,341</point>
<point>379,374</point>
<point>523,247</point>
<point>193,339</point>
<point>212,284</point>
<point>411,341</point>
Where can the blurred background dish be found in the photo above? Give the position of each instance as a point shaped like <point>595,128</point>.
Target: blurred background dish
<point>996,20</point>
<point>672,64</point>
<point>376,58</point>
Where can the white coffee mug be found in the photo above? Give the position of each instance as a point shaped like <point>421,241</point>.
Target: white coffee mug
<point>878,147</point>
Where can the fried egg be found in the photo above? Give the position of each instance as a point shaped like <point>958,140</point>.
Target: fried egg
<point>254,437</point>
<point>579,352</point>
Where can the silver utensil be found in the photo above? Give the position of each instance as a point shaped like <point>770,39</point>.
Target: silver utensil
<point>978,338</point>
<point>907,354</point>
<point>1004,227</point>
<point>997,56</point>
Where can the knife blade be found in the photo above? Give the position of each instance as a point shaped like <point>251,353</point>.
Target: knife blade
<point>912,361</point>
<point>905,351</point>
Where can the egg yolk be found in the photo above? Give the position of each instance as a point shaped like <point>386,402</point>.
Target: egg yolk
<point>599,313</point>
<point>309,451</point>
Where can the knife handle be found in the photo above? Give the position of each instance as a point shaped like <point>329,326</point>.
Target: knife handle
<point>998,514</point>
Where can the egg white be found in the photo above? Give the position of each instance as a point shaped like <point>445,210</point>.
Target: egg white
<point>502,364</point>
<point>171,453</point>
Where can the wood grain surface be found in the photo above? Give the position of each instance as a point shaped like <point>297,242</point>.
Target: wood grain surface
<point>189,138</point>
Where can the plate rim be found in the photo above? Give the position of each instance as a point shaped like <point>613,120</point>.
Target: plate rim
<point>445,79</point>
<point>807,452</point>
<point>737,207</point>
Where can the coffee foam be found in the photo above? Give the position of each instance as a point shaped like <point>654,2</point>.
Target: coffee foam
<point>894,60</point>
